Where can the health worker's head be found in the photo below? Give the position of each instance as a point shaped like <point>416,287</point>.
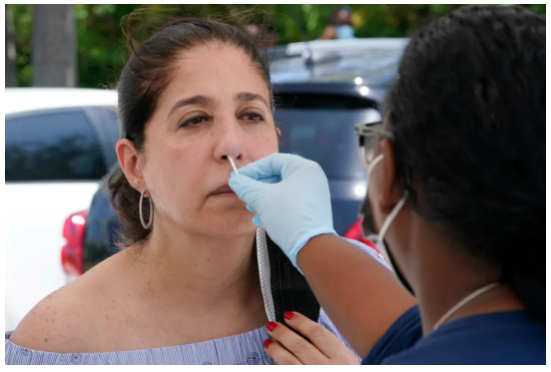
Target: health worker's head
<point>464,144</point>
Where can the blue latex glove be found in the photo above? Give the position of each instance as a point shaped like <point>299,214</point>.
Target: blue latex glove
<point>291,196</point>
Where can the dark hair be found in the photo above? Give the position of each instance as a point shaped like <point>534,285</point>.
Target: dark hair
<point>143,79</point>
<point>468,115</point>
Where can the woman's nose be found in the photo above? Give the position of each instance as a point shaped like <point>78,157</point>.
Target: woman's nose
<point>234,157</point>
<point>230,143</point>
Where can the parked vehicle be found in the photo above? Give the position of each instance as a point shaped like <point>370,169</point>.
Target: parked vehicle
<point>322,89</point>
<point>59,143</point>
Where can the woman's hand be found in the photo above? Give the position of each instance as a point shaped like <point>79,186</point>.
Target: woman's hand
<point>320,347</point>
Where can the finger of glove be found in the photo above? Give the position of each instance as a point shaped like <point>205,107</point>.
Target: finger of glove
<point>257,222</point>
<point>268,180</point>
<point>247,189</point>
<point>274,179</point>
<point>268,167</point>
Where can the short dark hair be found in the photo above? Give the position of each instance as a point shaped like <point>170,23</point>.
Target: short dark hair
<point>468,116</point>
<point>144,78</point>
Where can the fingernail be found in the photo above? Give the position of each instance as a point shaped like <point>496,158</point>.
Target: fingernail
<point>271,326</point>
<point>288,315</point>
<point>268,342</point>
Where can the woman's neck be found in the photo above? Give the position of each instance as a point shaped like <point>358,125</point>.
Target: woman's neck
<point>200,273</point>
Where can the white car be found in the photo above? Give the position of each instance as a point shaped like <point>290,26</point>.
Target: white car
<point>59,143</point>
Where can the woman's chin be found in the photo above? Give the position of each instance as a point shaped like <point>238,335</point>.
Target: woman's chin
<point>220,216</point>
<point>234,220</point>
<point>233,230</point>
<point>227,203</point>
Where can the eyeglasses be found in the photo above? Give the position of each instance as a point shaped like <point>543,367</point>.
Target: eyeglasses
<point>369,135</point>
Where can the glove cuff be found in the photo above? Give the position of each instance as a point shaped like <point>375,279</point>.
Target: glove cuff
<point>311,234</point>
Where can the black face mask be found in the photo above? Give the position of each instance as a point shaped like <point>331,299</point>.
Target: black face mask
<point>368,229</point>
<point>283,287</point>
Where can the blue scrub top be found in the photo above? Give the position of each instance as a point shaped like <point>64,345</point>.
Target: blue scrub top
<point>510,337</point>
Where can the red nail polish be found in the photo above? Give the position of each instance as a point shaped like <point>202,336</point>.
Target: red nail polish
<point>288,315</point>
<point>271,326</point>
<point>268,342</point>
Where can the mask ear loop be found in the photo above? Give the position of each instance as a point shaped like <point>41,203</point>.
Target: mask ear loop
<point>393,215</point>
<point>371,166</point>
<point>396,209</point>
<point>374,163</point>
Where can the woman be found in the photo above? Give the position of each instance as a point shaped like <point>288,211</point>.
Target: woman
<point>186,287</point>
<point>457,195</point>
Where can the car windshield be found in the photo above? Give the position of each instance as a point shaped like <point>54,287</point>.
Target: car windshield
<point>325,136</point>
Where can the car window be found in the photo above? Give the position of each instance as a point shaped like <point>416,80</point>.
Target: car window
<point>59,146</point>
<point>323,131</point>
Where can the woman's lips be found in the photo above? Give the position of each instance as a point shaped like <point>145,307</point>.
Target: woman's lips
<point>224,191</point>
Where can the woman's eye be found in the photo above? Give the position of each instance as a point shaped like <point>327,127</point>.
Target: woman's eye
<point>193,121</point>
<point>252,116</point>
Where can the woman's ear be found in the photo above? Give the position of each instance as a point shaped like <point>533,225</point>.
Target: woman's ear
<point>128,159</point>
<point>388,193</point>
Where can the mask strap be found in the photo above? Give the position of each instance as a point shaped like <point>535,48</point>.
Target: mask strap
<point>374,163</point>
<point>370,168</point>
<point>396,209</point>
<point>393,215</point>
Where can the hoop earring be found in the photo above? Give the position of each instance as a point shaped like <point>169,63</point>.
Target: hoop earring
<point>144,225</point>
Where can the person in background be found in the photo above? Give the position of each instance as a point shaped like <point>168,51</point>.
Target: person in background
<point>341,20</point>
<point>340,25</point>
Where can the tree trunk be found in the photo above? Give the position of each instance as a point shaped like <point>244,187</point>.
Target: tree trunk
<point>54,49</point>
<point>11,74</point>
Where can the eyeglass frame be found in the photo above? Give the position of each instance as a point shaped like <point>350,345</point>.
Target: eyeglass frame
<point>370,129</point>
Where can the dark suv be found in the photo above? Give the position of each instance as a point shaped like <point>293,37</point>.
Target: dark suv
<point>322,89</point>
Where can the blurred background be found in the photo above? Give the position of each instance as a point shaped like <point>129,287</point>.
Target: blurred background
<point>331,68</point>
<point>94,50</point>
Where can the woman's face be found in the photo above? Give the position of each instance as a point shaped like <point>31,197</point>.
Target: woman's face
<point>343,17</point>
<point>216,105</point>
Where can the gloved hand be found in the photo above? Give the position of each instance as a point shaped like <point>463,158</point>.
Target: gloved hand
<point>291,196</point>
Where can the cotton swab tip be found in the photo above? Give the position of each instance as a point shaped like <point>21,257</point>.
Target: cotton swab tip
<point>233,165</point>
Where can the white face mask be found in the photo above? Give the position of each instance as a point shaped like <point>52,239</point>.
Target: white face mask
<point>344,32</point>
<point>369,228</point>
<point>378,240</point>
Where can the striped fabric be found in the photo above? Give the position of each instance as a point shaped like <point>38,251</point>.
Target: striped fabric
<point>245,348</point>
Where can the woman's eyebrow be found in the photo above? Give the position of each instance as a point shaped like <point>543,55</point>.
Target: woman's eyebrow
<point>195,100</point>
<point>248,96</point>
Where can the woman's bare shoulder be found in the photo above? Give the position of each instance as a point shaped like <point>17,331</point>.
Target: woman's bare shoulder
<point>67,320</point>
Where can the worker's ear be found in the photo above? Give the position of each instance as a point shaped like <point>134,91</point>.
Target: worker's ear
<point>388,192</point>
<point>129,158</point>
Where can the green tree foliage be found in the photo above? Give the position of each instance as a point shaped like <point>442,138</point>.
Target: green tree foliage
<point>102,50</point>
